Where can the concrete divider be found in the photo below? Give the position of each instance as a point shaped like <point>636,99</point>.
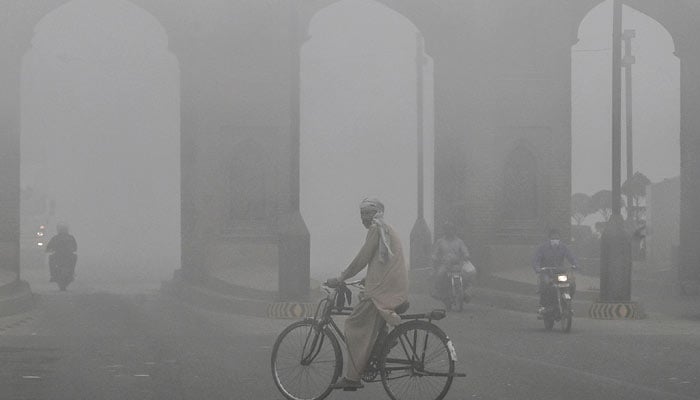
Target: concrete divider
<point>490,291</point>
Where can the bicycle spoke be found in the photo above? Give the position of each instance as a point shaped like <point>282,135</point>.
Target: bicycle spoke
<point>305,362</point>
<point>418,366</point>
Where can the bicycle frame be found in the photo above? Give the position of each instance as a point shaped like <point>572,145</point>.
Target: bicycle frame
<point>323,319</point>
<point>326,310</point>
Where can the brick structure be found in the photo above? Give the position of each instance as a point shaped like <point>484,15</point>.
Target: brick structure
<point>502,104</point>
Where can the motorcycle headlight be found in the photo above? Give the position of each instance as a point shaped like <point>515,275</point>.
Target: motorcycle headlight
<point>562,278</point>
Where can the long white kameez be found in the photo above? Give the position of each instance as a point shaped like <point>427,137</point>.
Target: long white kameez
<point>386,287</point>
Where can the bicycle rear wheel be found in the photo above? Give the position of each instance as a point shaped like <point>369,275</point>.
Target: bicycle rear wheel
<point>306,360</point>
<point>418,362</point>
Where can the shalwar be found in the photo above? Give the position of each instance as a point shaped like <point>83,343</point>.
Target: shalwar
<point>386,287</point>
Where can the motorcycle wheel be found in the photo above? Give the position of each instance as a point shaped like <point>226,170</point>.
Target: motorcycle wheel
<point>458,293</point>
<point>548,322</point>
<point>567,319</point>
<point>460,299</point>
<point>467,294</point>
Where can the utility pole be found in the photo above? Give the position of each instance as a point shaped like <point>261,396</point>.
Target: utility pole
<point>615,245</point>
<point>421,238</point>
<point>617,108</point>
<point>294,241</point>
<point>627,62</point>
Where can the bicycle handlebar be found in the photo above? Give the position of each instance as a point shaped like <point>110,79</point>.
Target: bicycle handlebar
<point>360,283</point>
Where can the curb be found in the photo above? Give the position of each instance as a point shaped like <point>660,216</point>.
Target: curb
<point>234,301</point>
<point>626,310</point>
<point>518,302</point>
<point>287,310</point>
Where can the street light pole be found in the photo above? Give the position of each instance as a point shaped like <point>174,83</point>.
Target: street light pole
<point>421,238</point>
<point>627,62</point>
<point>616,107</point>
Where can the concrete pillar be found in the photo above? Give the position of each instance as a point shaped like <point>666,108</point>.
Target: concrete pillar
<point>421,238</point>
<point>10,78</point>
<point>689,268</point>
<point>294,244</point>
<point>191,249</point>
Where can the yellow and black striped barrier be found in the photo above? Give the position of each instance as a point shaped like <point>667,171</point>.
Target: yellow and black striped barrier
<point>631,310</point>
<point>290,310</point>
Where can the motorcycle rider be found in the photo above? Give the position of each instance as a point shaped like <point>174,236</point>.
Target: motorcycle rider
<point>552,254</point>
<point>62,248</point>
<point>449,253</point>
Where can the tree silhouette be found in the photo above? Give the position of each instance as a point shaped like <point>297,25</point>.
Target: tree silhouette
<point>636,189</point>
<point>601,202</point>
<point>580,207</point>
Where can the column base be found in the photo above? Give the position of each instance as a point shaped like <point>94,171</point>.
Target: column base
<point>294,252</point>
<point>616,310</point>
<point>421,244</point>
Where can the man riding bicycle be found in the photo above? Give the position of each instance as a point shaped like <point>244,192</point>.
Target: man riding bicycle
<point>386,288</point>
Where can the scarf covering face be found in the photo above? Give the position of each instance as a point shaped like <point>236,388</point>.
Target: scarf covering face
<point>373,204</point>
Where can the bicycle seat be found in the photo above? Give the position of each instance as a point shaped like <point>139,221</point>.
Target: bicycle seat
<point>402,308</point>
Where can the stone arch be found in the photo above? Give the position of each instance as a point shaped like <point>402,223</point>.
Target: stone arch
<point>590,135</point>
<point>356,127</point>
<point>419,13</point>
<point>679,19</point>
<point>125,153</point>
<point>643,6</point>
<point>150,28</point>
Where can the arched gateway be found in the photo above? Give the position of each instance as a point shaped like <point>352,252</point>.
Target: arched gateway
<point>502,74</point>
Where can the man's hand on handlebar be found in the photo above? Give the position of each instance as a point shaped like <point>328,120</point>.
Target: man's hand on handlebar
<point>333,282</point>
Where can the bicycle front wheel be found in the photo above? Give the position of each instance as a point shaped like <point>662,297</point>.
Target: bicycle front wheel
<point>306,360</point>
<point>418,362</point>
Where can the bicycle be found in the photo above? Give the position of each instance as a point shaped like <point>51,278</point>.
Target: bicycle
<point>415,360</point>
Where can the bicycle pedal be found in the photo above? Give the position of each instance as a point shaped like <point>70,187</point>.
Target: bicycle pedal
<point>347,389</point>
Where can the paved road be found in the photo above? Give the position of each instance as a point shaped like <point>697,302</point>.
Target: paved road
<point>96,345</point>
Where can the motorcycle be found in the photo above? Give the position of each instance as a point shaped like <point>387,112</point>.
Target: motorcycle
<point>459,292</point>
<point>62,269</point>
<point>558,298</point>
